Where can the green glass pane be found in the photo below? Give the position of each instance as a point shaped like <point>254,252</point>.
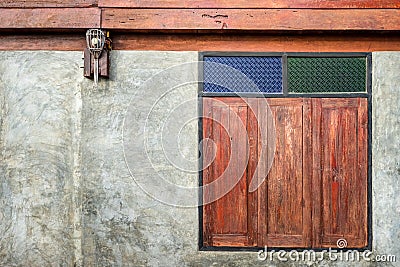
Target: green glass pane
<point>324,75</point>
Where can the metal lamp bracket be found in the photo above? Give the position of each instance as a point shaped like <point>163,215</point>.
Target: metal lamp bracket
<point>96,54</point>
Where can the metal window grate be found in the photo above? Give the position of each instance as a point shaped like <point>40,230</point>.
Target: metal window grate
<point>243,74</point>
<point>317,74</point>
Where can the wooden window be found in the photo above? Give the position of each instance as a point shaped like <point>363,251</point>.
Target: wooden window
<point>316,190</point>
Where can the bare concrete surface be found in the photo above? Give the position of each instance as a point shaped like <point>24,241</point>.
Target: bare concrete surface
<point>71,185</point>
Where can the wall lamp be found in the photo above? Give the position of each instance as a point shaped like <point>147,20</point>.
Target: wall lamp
<point>96,54</point>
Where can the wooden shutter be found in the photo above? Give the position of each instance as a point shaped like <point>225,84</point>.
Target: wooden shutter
<point>316,190</point>
<point>340,171</point>
<point>230,220</point>
<point>284,198</point>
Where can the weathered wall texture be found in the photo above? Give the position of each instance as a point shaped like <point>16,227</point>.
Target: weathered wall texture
<point>39,94</point>
<point>70,195</point>
<point>123,226</point>
<point>386,153</point>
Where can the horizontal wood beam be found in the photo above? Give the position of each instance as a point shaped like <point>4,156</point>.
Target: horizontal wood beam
<point>50,18</point>
<point>201,19</point>
<point>57,42</point>
<point>210,42</point>
<point>250,4</point>
<point>261,43</point>
<point>47,3</point>
<point>251,19</point>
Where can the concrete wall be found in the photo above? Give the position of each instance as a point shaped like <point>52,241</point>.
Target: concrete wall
<point>86,173</point>
<point>39,142</point>
<point>386,153</point>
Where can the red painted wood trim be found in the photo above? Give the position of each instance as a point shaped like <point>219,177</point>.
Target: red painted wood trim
<point>316,197</point>
<point>250,4</point>
<point>254,43</point>
<point>251,19</point>
<point>50,18</point>
<point>60,42</point>
<point>193,42</point>
<point>47,3</point>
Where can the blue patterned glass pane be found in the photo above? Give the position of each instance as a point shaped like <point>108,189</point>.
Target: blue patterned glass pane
<point>243,74</point>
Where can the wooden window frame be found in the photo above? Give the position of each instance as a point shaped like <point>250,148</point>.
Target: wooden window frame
<point>285,94</point>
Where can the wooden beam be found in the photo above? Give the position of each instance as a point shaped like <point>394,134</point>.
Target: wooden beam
<point>250,4</point>
<point>210,42</point>
<point>58,42</point>
<point>47,3</point>
<point>251,19</point>
<point>261,43</point>
<point>50,18</point>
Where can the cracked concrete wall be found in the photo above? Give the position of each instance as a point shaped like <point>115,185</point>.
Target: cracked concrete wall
<point>68,194</point>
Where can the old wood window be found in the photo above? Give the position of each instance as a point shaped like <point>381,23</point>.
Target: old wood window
<point>313,190</point>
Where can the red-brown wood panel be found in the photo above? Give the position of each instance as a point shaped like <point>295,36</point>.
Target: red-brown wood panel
<point>341,147</point>
<point>316,173</point>
<point>316,189</point>
<point>209,42</point>
<point>250,19</point>
<point>255,43</point>
<point>251,4</point>
<point>227,219</point>
<point>104,64</point>
<point>264,139</point>
<point>64,42</point>
<point>208,158</point>
<point>49,18</point>
<point>48,3</point>
<point>284,199</point>
<point>253,131</point>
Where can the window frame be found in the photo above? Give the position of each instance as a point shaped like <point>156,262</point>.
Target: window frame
<point>285,94</point>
